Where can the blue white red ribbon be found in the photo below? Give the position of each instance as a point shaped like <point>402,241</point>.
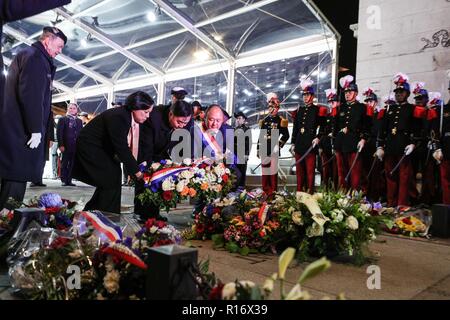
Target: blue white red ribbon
<point>103,224</point>
<point>161,175</point>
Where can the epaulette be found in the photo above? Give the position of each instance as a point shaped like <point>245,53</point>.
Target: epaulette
<point>284,123</point>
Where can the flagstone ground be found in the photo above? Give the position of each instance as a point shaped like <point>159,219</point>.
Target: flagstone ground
<point>410,268</point>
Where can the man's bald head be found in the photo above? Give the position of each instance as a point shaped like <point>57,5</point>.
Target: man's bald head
<point>214,117</point>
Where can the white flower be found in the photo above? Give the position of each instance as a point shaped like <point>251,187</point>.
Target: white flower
<point>187,175</point>
<point>316,230</point>
<point>352,223</point>
<point>329,230</point>
<point>155,166</point>
<point>216,216</point>
<point>180,186</point>
<point>219,171</point>
<point>366,207</point>
<point>343,202</point>
<point>111,281</point>
<point>318,196</point>
<point>52,218</point>
<point>229,290</point>
<point>169,162</point>
<point>168,185</point>
<point>268,285</point>
<point>153,229</point>
<point>297,218</point>
<point>187,162</point>
<point>338,215</point>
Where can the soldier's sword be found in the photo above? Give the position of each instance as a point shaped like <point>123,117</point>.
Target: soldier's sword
<point>306,154</point>
<point>351,168</point>
<point>372,167</point>
<point>398,164</point>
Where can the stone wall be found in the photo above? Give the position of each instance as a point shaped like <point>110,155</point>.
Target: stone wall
<point>409,36</point>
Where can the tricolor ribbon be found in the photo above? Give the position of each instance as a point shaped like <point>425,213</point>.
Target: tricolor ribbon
<point>262,214</point>
<point>161,175</point>
<point>103,224</point>
<point>209,140</point>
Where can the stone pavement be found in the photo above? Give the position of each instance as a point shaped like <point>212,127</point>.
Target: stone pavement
<point>410,268</point>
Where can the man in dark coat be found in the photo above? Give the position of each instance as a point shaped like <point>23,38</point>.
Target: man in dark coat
<point>242,130</point>
<point>25,116</point>
<point>11,10</point>
<point>155,144</point>
<point>68,130</point>
<point>103,144</point>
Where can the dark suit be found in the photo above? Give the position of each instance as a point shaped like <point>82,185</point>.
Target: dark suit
<point>68,129</point>
<point>101,146</point>
<point>242,159</point>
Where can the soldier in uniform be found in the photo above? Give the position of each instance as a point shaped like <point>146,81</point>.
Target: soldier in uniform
<point>271,152</point>
<point>424,168</point>
<point>398,137</point>
<point>376,184</point>
<point>351,131</point>
<point>326,146</point>
<point>440,141</point>
<point>308,130</point>
<point>242,129</point>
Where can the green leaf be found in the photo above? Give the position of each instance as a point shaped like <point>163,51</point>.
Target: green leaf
<point>284,261</point>
<point>255,294</point>
<point>244,251</point>
<point>218,240</point>
<point>232,247</point>
<point>314,269</point>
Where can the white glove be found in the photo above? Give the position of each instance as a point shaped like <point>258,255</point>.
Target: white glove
<point>361,145</point>
<point>315,142</point>
<point>276,149</point>
<point>35,140</point>
<point>409,149</point>
<point>380,154</point>
<point>292,150</point>
<point>438,155</point>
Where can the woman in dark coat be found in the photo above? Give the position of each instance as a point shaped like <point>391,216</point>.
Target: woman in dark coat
<point>103,144</point>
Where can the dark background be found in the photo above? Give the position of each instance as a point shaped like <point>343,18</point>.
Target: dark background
<point>342,14</point>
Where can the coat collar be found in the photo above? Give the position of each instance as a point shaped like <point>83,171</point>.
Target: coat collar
<point>40,46</point>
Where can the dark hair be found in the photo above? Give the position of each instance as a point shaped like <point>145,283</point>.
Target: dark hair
<point>138,101</point>
<point>196,104</point>
<point>181,108</point>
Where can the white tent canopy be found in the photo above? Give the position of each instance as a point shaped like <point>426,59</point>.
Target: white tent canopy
<point>230,52</point>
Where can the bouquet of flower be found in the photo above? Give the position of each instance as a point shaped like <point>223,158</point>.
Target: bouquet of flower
<point>168,183</point>
<point>331,224</point>
<point>5,218</point>
<point>156,233</point>
<point>251,232</point>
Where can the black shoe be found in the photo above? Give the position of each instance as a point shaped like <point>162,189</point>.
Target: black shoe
<point>38,184</point>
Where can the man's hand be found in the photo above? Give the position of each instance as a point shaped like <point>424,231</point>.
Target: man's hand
<point>361,145</point>
<point>276,149</point>
<point>292,150</point>
<point>139,175</point>
<point>379,154</point>
<point>438,155</point>
<point>409,149</point>
<point>315,142</point>
<point>62,149</point>
<point>35,140</point>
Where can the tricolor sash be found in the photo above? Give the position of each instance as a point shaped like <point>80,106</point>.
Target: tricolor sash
<point>161,175</point>
<point>209,141</point>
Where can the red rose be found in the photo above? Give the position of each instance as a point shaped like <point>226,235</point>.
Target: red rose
<point>216,292</point>
<point>167,195</point>
<point>407,221</point>
<point>10,215</point>
<point>225,178</point>
<point>160,224</point>
<point>200,228</point>
<point>149,223</point>
<point>203,166</point>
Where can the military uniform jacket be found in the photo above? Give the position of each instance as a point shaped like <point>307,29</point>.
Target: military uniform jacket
<point>267,126</point>
<point>401,126</point>
<point>441,140</point>
<point>309,124</point>
<point>351,124</point>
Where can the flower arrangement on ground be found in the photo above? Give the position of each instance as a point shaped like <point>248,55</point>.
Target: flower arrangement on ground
<point>168,183</point>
